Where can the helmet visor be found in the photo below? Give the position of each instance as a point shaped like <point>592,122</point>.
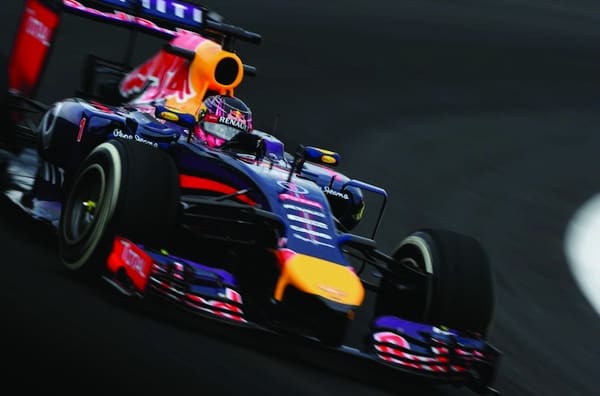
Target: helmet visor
<point>220,130</point>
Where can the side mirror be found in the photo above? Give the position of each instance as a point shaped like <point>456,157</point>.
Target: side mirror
<point>321,156</point>
<point>184,119</point>
<point>312,154</point>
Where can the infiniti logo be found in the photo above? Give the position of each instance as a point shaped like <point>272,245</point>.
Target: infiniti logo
<point>169,8</point>
<point>333,291</point>
<point>292,187</point>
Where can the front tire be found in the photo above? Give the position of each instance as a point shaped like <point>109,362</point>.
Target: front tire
<point>121,188</point>
<point>457,291</point>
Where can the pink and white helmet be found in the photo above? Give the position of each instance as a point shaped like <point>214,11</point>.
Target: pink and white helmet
<point>221,118</point>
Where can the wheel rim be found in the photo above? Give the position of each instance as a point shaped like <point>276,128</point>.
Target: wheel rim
<point>85,204</point>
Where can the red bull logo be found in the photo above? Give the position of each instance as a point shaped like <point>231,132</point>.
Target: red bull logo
<point>168,76</point>
<point>164,75</point>
<point>237,115</point>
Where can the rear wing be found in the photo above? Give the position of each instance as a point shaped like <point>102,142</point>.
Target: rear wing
<point>163,18</point>
<point>160,17</point>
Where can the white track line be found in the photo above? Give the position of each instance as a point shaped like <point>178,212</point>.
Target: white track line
<point>582,247</point>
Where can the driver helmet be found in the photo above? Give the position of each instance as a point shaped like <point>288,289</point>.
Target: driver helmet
<point>221,118</point>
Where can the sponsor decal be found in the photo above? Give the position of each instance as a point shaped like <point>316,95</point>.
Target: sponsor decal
<point>163,76</point>
<point>140,139</point>
<point>36,29</point>
<point>313,241</point>
<point>335,193</point>
<point>307,221</point>
<point>136,262</point>
<point>175,11</point>
<point>118,133</point>
<point>292,187</point>
<point>333,291</point>
<point>236,115</point>
<point>30,49</point>
<point>310,232</point>
<point>293,198</point>
<point>118,16</point>
<point>236,123</point>
<point>133,260</point>
<point>307,230</point>
<point>304,210</point>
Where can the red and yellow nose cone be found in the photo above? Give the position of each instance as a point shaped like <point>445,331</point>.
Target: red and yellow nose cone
<point>320,277</point>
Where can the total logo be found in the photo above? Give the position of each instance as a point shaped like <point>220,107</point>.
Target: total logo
<point>36,28</point>
<point>133,260</point>
<point>293,187</point>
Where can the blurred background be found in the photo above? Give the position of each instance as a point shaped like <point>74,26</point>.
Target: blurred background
<point>476,116</point>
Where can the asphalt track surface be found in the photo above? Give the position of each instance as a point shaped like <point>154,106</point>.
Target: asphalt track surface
<point>478,116</point>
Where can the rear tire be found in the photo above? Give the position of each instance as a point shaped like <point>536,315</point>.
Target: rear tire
<point>458,292</point>
<point>121,188</point>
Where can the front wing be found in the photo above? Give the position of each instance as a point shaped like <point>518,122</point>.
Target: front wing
<point>395,345</point>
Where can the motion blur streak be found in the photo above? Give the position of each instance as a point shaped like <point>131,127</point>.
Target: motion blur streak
<point>582,244</point>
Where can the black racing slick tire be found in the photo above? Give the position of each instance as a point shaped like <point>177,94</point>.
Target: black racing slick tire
<point>121,188</point>
<point>457,291</point>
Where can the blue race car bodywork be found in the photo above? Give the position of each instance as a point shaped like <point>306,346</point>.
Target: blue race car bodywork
<point>247,233</point>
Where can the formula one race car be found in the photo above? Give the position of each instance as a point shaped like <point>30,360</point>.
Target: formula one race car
<point>244,232</point>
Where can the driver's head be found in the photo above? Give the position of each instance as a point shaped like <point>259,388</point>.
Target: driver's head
<point>221,118</point>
